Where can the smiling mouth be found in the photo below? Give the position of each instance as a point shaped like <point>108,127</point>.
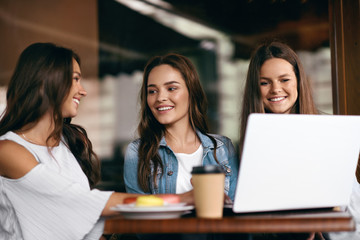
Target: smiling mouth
<point>276,99</point>
<point>164,108</point>
<point>77,101</point>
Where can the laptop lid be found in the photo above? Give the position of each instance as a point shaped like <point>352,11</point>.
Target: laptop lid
<point>296,161</point>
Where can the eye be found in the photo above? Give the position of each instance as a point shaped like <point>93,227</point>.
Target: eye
<point>285,80</point>
<point>151,91</point>
<point>172,88</point>
<point>263,83</point>
<point>76,76</point>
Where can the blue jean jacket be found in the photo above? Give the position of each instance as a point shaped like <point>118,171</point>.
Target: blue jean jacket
<point>166,182</point>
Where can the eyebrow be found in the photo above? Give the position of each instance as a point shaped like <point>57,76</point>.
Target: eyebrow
<point>167,83</point>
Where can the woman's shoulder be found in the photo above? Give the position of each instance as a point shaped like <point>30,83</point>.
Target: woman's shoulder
<point>9,135</point>
<point>132,149</point>
<point>221,141</point>
<point>134,144</point>
<point>10,146</point>
<point>220,138</point>
<point>15,159</point>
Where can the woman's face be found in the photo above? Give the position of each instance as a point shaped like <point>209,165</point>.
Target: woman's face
<point>168,96</point>
<point>278,85</point>
<point>72,101</point>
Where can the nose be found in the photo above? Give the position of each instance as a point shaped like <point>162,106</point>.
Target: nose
<point>275,87</point>
<point>82,91</point>
<point>162,96</point>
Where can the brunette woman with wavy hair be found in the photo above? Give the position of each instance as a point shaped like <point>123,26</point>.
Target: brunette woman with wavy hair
<point>291,89</point>
<point>48,169</point>
<point>276,83</point>
<point>28,101</point>
<point>173,132</point>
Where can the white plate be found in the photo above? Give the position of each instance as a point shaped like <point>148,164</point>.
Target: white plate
<point>130,211</point>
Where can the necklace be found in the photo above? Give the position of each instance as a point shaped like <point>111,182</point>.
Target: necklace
<point>29,140</point>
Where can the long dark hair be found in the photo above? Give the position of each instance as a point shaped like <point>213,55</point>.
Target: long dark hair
<point>151,131</point>
<point>41,81</point>
<point>252,102</point>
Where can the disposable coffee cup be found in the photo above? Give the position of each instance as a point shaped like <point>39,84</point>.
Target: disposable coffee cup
<point>208,182</point>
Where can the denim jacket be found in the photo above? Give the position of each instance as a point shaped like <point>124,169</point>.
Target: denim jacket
<point>166,180</point>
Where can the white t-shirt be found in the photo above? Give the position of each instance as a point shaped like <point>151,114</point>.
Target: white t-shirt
<point>185,164</point>
<point>51,201</point>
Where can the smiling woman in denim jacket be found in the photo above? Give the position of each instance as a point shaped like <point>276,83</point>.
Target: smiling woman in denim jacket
<point>173,132</point>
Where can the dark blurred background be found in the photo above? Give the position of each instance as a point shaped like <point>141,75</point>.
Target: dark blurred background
<point>115,39</point>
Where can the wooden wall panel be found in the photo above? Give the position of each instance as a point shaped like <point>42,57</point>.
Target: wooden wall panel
<point>69,23</point>
<point>345,55</point>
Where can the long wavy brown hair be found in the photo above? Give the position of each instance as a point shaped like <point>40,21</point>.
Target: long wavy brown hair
<point>151,131</point>
<point>252,102</point>
<point>41,82</point>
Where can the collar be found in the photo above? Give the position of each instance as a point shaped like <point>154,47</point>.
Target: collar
<point>205,141</point>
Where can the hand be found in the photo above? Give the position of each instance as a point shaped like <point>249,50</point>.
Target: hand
<point>311,236</point>
<point>314,236</point>
<point>187,197</point>
<point>227,199</point>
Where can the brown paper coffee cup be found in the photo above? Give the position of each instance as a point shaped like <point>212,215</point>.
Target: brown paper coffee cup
<point>208,182</point>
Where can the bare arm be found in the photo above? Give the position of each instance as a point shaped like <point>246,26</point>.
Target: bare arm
<point>115,198</point>
<point>15,160</point>
<point>187,197</point>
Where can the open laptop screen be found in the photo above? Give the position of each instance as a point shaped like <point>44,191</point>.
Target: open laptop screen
<point>294,161</point>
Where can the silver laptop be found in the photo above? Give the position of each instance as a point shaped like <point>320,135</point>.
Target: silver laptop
<point>294,161</point>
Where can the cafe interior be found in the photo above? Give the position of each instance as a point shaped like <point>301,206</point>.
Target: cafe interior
<point>115,39</point>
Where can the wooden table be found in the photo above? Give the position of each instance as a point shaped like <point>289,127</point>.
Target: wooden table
<point>280,222</point>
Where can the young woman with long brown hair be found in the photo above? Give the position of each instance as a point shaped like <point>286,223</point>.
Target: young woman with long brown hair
<point>173,132</point>
<point>48,169</point>
<point>276,83</point>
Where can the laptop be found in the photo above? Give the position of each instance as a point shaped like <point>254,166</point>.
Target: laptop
<point>296,161</point>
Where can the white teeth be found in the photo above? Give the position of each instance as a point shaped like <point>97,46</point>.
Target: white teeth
<point>164,108</point>
<point>276,99</point>
<point>76,100</point>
